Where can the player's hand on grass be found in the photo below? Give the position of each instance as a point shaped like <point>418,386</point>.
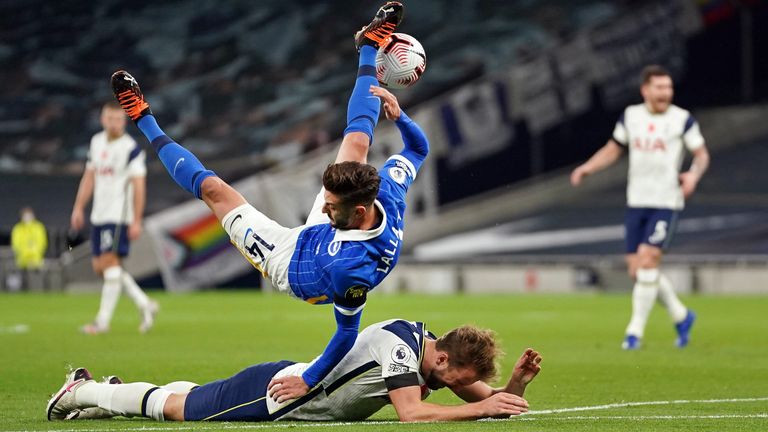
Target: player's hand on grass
<point>578,175</point>
<point>389,102</point>
<point>287,388</point>
<point>77,220</point>
<point>688,182</point>
<point>134,231</point>
<point>502,405</point>
<point>527,367</point>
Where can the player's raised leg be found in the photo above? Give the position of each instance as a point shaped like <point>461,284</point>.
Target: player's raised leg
<point>181,164</point>
<point>363,108</point>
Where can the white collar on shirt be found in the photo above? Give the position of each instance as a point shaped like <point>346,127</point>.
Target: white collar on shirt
<point>362,235</point>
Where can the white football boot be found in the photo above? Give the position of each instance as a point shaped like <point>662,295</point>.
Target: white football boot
<point>63,402</point>
<point>148,317</point>
<point>94,413</point>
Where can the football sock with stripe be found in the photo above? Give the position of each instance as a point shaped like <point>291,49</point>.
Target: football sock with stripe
<point>133,399</point>
<point>363,108</point>
<point>180,163</point>
<point>643,297</point>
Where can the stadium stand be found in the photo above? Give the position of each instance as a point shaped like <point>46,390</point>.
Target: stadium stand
<point>234,78</point>
<point>246,98</point>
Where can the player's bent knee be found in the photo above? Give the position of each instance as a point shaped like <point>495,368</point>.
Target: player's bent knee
<point>219,196</point>
<point>649,257</point>
<point>358,140</point>
<point>354,147</point>
<point>215,191</point>
<point>174,407</point>
<point>631,261</point>
<point>211,190</point>
<point>108,260</point>
<point>97,268</point>
<point>104,261</point>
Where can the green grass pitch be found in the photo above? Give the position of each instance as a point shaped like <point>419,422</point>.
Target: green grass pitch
<point>202,337</point>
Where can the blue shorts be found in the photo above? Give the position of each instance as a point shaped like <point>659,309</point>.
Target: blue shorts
<point>110,238</point>
<point>651,226</point>
<point>239,398</point>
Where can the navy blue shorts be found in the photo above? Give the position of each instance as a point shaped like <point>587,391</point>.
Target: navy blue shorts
<point>110,238</point>
<point>239,398</point>
<point>651,226</point>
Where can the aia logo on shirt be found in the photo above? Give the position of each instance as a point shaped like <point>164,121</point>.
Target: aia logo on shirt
<point>106,171</point>
<point>649,144</point>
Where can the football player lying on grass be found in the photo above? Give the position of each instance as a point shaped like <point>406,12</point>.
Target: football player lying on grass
<point>395,361</point>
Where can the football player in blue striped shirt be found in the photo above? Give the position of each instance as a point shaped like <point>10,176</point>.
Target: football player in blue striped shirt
<point>354,234</point>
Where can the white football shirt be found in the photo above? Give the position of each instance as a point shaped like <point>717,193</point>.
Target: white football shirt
<point>655,143</point>
<point>114,164</point>
<point>385,354</point>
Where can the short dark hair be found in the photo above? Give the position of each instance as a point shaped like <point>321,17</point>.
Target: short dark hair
<point>469,346</point>
<point>113,104</point>
<point>651,71</point>
<point>354,183</point>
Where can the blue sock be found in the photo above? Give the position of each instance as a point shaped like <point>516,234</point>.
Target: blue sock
<point>180,163</point>
<point>363,109</point>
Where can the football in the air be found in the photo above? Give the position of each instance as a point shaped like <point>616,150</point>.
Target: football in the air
<point>400,62</point>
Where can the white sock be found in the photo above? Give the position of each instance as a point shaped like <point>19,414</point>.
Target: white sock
<point>133,399</point>
<point>668,297</point>
<point>134,291</point>
<point>180,386</point>
<point>110,294</point>
<point>643,297</point>
<point>87,395</point>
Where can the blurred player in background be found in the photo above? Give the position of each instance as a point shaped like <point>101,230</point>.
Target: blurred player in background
<point>353,235</point>
<point>655,133</point>
<point>395,361</point>
<point>115,175</point>
<point>29,241</point>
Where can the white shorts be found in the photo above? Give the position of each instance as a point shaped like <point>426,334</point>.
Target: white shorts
<point>265,243</point>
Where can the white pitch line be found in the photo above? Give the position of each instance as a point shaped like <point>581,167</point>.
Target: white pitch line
<point>650,417</point>
<point>223,425</point>
<point>524,417</point>
<point>634,404</point>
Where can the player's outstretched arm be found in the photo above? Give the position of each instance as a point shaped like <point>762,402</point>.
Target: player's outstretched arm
<point>347,326</point>
<point>410,408</point>
<point>414,139</point>
<point>84,194</point>
<point>606,156</point>
<point>525,370</point>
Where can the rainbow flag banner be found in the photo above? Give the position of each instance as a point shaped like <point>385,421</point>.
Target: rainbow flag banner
<point>202,239</point>
<point>193,249</point>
